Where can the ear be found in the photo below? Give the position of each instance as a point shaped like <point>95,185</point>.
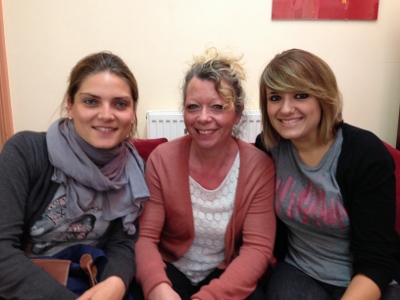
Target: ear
<point>238,116</point>
<point>69,107</point>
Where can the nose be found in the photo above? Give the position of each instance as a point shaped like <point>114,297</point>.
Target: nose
<point>204,115</point>
<point>106,113</point>
<point>287,105</point>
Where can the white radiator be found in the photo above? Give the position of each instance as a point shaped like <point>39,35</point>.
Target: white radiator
<point>169,124</point>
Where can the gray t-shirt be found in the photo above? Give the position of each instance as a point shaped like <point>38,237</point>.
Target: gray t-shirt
<point>309,202</point>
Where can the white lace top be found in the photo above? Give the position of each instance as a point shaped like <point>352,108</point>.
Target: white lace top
<point>212,210</point>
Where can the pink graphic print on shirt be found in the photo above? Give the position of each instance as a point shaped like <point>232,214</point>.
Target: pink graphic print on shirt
<point>309,205</point>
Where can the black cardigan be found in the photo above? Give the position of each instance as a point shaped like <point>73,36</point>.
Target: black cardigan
<point>365,174</point>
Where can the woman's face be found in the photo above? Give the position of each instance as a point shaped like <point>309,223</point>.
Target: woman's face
<point>208,118</point>
<point>103,110</point>
<point>295,116</point>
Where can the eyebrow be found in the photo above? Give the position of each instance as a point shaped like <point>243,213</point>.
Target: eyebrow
<point>98,97</point>
<point>89,94</point>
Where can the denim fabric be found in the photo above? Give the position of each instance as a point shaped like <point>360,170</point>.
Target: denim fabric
<point>392,293</point>
<point>289,283</point>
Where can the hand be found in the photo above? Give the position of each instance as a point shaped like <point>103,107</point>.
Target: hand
<point>362,287</point>
<point>272,263</point>
<point>113,288</point>
<point>163,291</point>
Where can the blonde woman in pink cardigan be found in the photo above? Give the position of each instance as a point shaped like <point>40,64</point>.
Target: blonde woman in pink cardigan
<point>208,230</point>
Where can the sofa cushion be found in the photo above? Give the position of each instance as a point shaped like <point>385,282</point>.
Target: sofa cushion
<point>146,146</point>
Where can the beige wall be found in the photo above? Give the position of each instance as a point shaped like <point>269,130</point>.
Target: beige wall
<point>156,38</point>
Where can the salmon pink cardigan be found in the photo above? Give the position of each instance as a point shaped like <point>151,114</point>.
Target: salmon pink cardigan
<point>167,229</point>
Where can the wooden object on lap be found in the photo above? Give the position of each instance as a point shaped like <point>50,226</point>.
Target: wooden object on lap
<point>58,268</point>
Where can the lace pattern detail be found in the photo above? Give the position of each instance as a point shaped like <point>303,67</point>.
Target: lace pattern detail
<point>212,210</point>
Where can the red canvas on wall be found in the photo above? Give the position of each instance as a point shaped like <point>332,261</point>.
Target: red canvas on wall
<point>325,9</point>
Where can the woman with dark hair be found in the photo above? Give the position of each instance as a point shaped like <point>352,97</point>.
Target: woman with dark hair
<point>81,182</point>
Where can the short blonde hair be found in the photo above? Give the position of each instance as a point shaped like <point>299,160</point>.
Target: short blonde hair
<point>220,67</point>
<point>301,72</point>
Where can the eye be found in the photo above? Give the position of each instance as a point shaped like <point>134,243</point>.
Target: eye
<point>121,104</point>
<point>274,98</point>
<point>218,107</point>
<point>301,96</point>
<point>191,107</point>
<point>90,101</point>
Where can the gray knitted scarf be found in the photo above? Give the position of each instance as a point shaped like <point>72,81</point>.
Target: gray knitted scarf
<point>84,170</point>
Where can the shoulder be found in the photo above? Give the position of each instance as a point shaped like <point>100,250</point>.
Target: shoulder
<point>252,156</point>
<point>173,147</point>
<point>28,137</point>
<point>183,141</point>
<point>171,152</point>
<point>351,132</point>
<point>26,151</point>
<point>27,142</point>
<point>246,147</point>
<point>360,141</point>
<point>362,154</point>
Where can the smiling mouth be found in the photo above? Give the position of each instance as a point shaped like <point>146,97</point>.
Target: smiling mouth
<point>205,131</point>
<point>291,121</point>
<point>105,129</point>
